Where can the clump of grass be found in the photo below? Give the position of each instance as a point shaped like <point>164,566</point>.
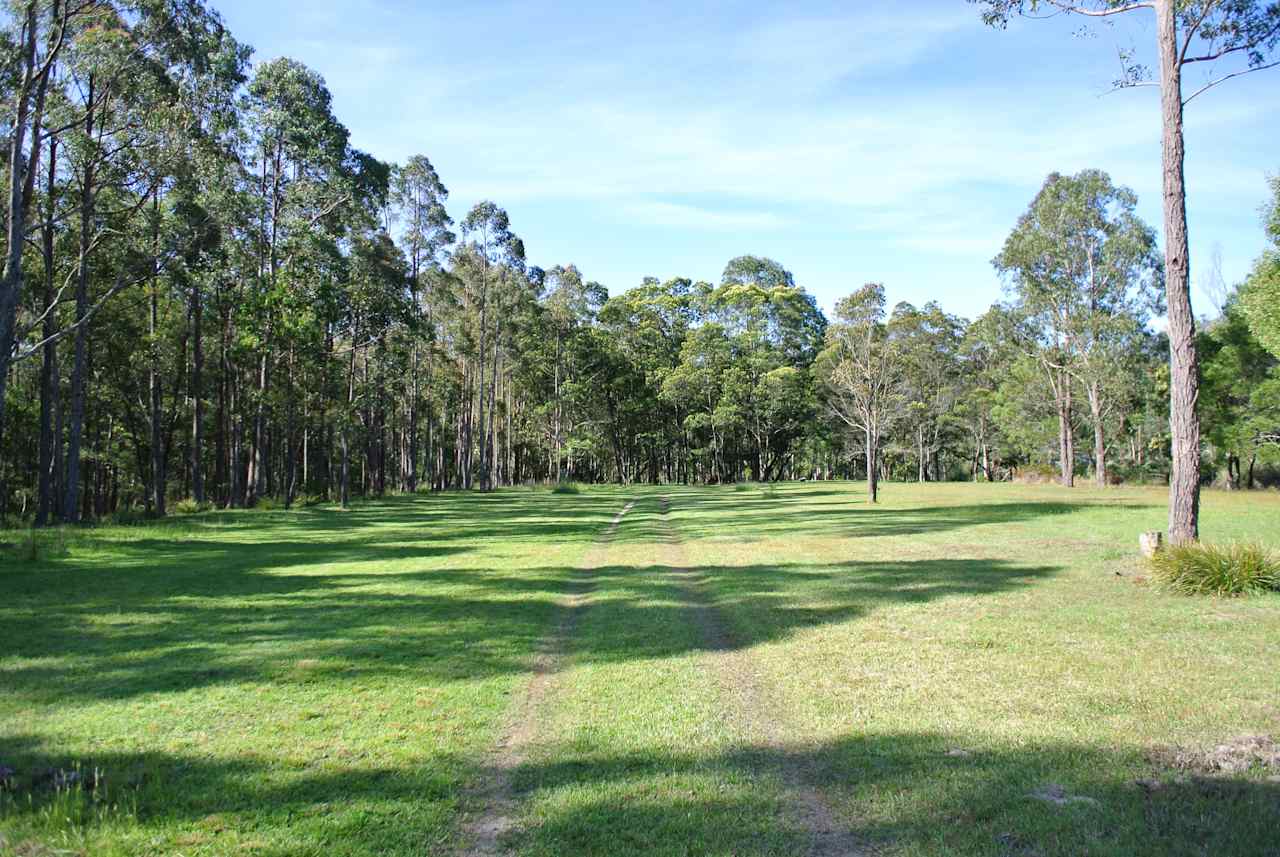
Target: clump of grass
<point>566,488</point>
<point>1203,569</point>
<point>190,506</point>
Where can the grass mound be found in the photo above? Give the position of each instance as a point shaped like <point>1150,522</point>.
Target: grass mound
<point>1201,569</point>
<point>566,488</point>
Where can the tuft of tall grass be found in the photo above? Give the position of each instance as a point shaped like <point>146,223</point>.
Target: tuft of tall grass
<point>566,488</point>
<point>190,506</point>
<point>1224,570</point>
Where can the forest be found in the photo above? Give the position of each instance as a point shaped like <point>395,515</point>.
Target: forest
<point>212,299</point>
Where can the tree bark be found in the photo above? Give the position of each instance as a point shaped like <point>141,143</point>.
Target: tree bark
<point>197,394</point>
<point>158,457</point>
<point>18,198</point>
<point>71,496</point>
<point>1099,435</point>
<point>873,485</point>
<point>1066,433</point>
<point>49,376</point>
<point>1184,386</point>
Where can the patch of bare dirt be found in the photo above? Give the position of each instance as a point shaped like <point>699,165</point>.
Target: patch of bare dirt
<point>1259,753</point>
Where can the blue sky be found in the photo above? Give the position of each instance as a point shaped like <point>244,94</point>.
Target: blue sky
<point>886,141</point>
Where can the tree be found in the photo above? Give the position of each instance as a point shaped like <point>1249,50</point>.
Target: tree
<point>862,370</point>
<point>1083,270</point>
<point>419,197</point>
<point>1260,297</point>
<point>493,248</point>
<point>930,342</point>
<point>1235,367</point>
<point>1187,32</point>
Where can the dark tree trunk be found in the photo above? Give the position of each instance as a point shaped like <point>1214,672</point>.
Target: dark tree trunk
<point>71,498</point>
<point>46,508</point>
<point>197,394</point>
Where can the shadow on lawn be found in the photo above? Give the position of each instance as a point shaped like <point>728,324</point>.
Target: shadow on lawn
<point>909,791</point>
<point>798,515</point>
<point>206,612</point>
<point>473,623</point>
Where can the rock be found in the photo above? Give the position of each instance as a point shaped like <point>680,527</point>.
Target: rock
<point>958,752</point>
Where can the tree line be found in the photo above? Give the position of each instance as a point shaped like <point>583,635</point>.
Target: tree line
<point>210,296</point>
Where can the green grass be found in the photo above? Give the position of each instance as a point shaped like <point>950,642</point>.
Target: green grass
<point>1224,570</point>
<point>317,682</point>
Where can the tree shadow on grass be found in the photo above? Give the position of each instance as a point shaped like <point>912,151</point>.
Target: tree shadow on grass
<point>799,510</point>
<point>172,633</point>
<point>909,792</point>
<point>203,612</point>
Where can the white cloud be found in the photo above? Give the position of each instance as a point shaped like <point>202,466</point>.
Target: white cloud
<point>679,216</point>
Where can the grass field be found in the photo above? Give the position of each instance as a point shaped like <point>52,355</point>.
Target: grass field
<point>962,669</point>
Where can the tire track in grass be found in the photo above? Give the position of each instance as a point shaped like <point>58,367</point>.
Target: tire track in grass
<point>753,708</point>
<point>482,835</point>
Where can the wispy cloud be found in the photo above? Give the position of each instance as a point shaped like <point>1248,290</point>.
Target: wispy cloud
<point>680,216</point>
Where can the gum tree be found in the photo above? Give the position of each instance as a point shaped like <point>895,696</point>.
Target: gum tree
<point>1188,32</point>
<point>862,369</point>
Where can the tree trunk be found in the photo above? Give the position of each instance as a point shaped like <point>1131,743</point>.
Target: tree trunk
<point>49,376</point>
<point>71,496</point>
<point>18,197</point>
<point>1184,382</point>
<point>197,394</point>
<point>1066,432</point>
<point>873,487</point>
<point>158,458</point>
<point>1099,438</point>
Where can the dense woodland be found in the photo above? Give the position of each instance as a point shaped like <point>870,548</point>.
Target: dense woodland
<point>211,297</point>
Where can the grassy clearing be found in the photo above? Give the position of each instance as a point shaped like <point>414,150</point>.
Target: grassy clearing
<point>972,670</point>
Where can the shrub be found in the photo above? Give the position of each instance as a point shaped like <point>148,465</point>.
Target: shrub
<point>309,501</point>
<point>267,504</point>
<point>566,488</point>
<point>190,506</point>
<point>1036,474</point>
<point>1201,569</point>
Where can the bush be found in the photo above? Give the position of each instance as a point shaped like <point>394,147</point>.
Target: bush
<point>268,504</point>
<point>189,506</point>
<point>566,488</point>
<point>309,501</point>
<point>1200,569</point>
<point>1036,474</point>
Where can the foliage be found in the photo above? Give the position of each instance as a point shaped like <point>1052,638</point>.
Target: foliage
<point>1222,570</point>
<point>1260,297</point>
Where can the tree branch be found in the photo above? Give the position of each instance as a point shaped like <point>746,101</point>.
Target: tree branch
<point>1211,84</point>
